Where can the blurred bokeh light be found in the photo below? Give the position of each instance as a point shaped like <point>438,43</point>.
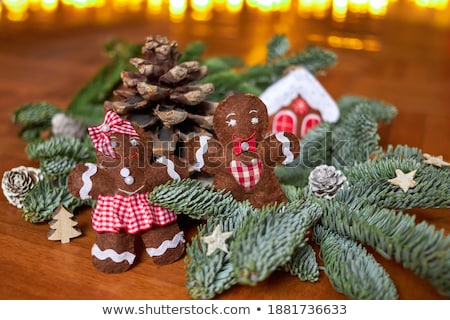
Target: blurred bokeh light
<point>436,12</point>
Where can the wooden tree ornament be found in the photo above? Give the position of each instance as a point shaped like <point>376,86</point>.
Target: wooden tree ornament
<point>63,226</point>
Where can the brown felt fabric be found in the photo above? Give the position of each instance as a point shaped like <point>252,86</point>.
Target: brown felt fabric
<point>243,108</point>
<point>119,242</point>
<point>108,181</point>
<point>154,237</point>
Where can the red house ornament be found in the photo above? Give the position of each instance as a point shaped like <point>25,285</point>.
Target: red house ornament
<point>298,102</point>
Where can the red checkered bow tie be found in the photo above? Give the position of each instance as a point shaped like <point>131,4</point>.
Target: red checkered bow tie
<point>100,135</point>
<point>244,144</point>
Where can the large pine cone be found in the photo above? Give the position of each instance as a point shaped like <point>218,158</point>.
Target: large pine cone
<point>325,181</point>
<point>164,97</point>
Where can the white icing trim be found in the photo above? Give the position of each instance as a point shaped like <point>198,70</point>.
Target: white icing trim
<point>300,81</point>
<point>170,167</point>
<point>200,162</point>
<point>87,182</point>
<point>286,147</point>
<point>167,244</point>
<point>113,255</point>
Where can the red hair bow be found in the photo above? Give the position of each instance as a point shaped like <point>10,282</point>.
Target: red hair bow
<point>100,135</point>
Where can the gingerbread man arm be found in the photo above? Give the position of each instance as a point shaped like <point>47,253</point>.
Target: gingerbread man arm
<point>163,170</point>
<point>280,148</point>
<point>205,154</point>
<point>88,181</point>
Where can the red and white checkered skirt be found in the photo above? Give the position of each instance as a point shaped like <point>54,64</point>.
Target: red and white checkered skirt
<point>131,213</point>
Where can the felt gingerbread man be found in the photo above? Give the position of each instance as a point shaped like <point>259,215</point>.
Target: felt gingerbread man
<point>243,157</point>
<point>120,181</point>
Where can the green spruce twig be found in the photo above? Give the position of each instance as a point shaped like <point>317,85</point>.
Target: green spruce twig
<point>395,236</point>
<point>35,118</point>
<point>351,269</point>
<point>265,242</point>
<point>303,264</point>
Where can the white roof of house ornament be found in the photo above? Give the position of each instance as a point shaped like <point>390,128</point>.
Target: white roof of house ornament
<point>300,81</point>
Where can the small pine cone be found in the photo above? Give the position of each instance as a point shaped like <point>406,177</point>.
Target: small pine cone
<point>17,182</point>
<point>64,125</point>
<point>325,181</point>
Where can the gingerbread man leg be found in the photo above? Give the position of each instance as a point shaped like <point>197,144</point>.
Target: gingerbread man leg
<point>165,244</point>
<point>113,252</point>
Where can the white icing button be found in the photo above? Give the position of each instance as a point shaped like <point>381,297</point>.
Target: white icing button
<point>129,180</point>
<point>245,146</point>
<point>106,128</point>
<point>124,172</point>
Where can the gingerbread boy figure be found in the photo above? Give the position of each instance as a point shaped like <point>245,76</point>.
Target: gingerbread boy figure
<point>242,158</point>
<point>120,181</point>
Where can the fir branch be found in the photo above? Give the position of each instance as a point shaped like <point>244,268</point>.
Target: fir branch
<point>312,58</point>
<point>369,180</point>
<point>355,137</point>
<point>316,148</point>
<point>293,193</point>
<point>44,199</point>
<point>226,82</point>
<point>401,152</point>
<point>192,198</point>
<point>210,275</point>
<point>87,104</point>
<point>35,114</point>
<point>34,118</point>
<point>382,111</point>
<point>303,264</point>
<point>73,148</point>
<point>351,269</point>
<point>277,47</point>
<point>193,51</point>
<point>395,236</point>
<point>266,241</point>
<point>207,276</point>
<point>221,64</point>
<point>56,167</point>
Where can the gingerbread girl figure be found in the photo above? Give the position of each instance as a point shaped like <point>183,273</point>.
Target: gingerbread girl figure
<point>120,181</point>
<point>242,158</point>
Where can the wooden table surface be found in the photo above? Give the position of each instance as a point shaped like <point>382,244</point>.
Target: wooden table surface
<point>404,64</point>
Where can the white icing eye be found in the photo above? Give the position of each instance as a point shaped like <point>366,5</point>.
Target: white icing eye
<point>232,122</point>
<point>255,120</point>
<point>114,144</point>
<point>134,142</point>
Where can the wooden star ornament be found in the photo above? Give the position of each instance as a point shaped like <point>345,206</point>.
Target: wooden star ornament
<point>435,161</point>
<point>404,180</point>
<point>216,240</point>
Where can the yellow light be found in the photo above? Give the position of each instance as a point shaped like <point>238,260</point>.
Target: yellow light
<point>134,5</point>
<point>17,9</point>
<point>320,8</point>
<point>154,6</point>
<point>234,6</point>
<point>378,7</point>
<point>264,5</point>
<point>358,6</point>
<point>49,5</point>
<point>177,9</point>
<point>118,5</point>
<point>339,11</point>
<point>201,9</point>
<point>345,42</point>
<point>252,3</point>
<point>305,7</point>
<point>285,5</point>
<point>33,5</point>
